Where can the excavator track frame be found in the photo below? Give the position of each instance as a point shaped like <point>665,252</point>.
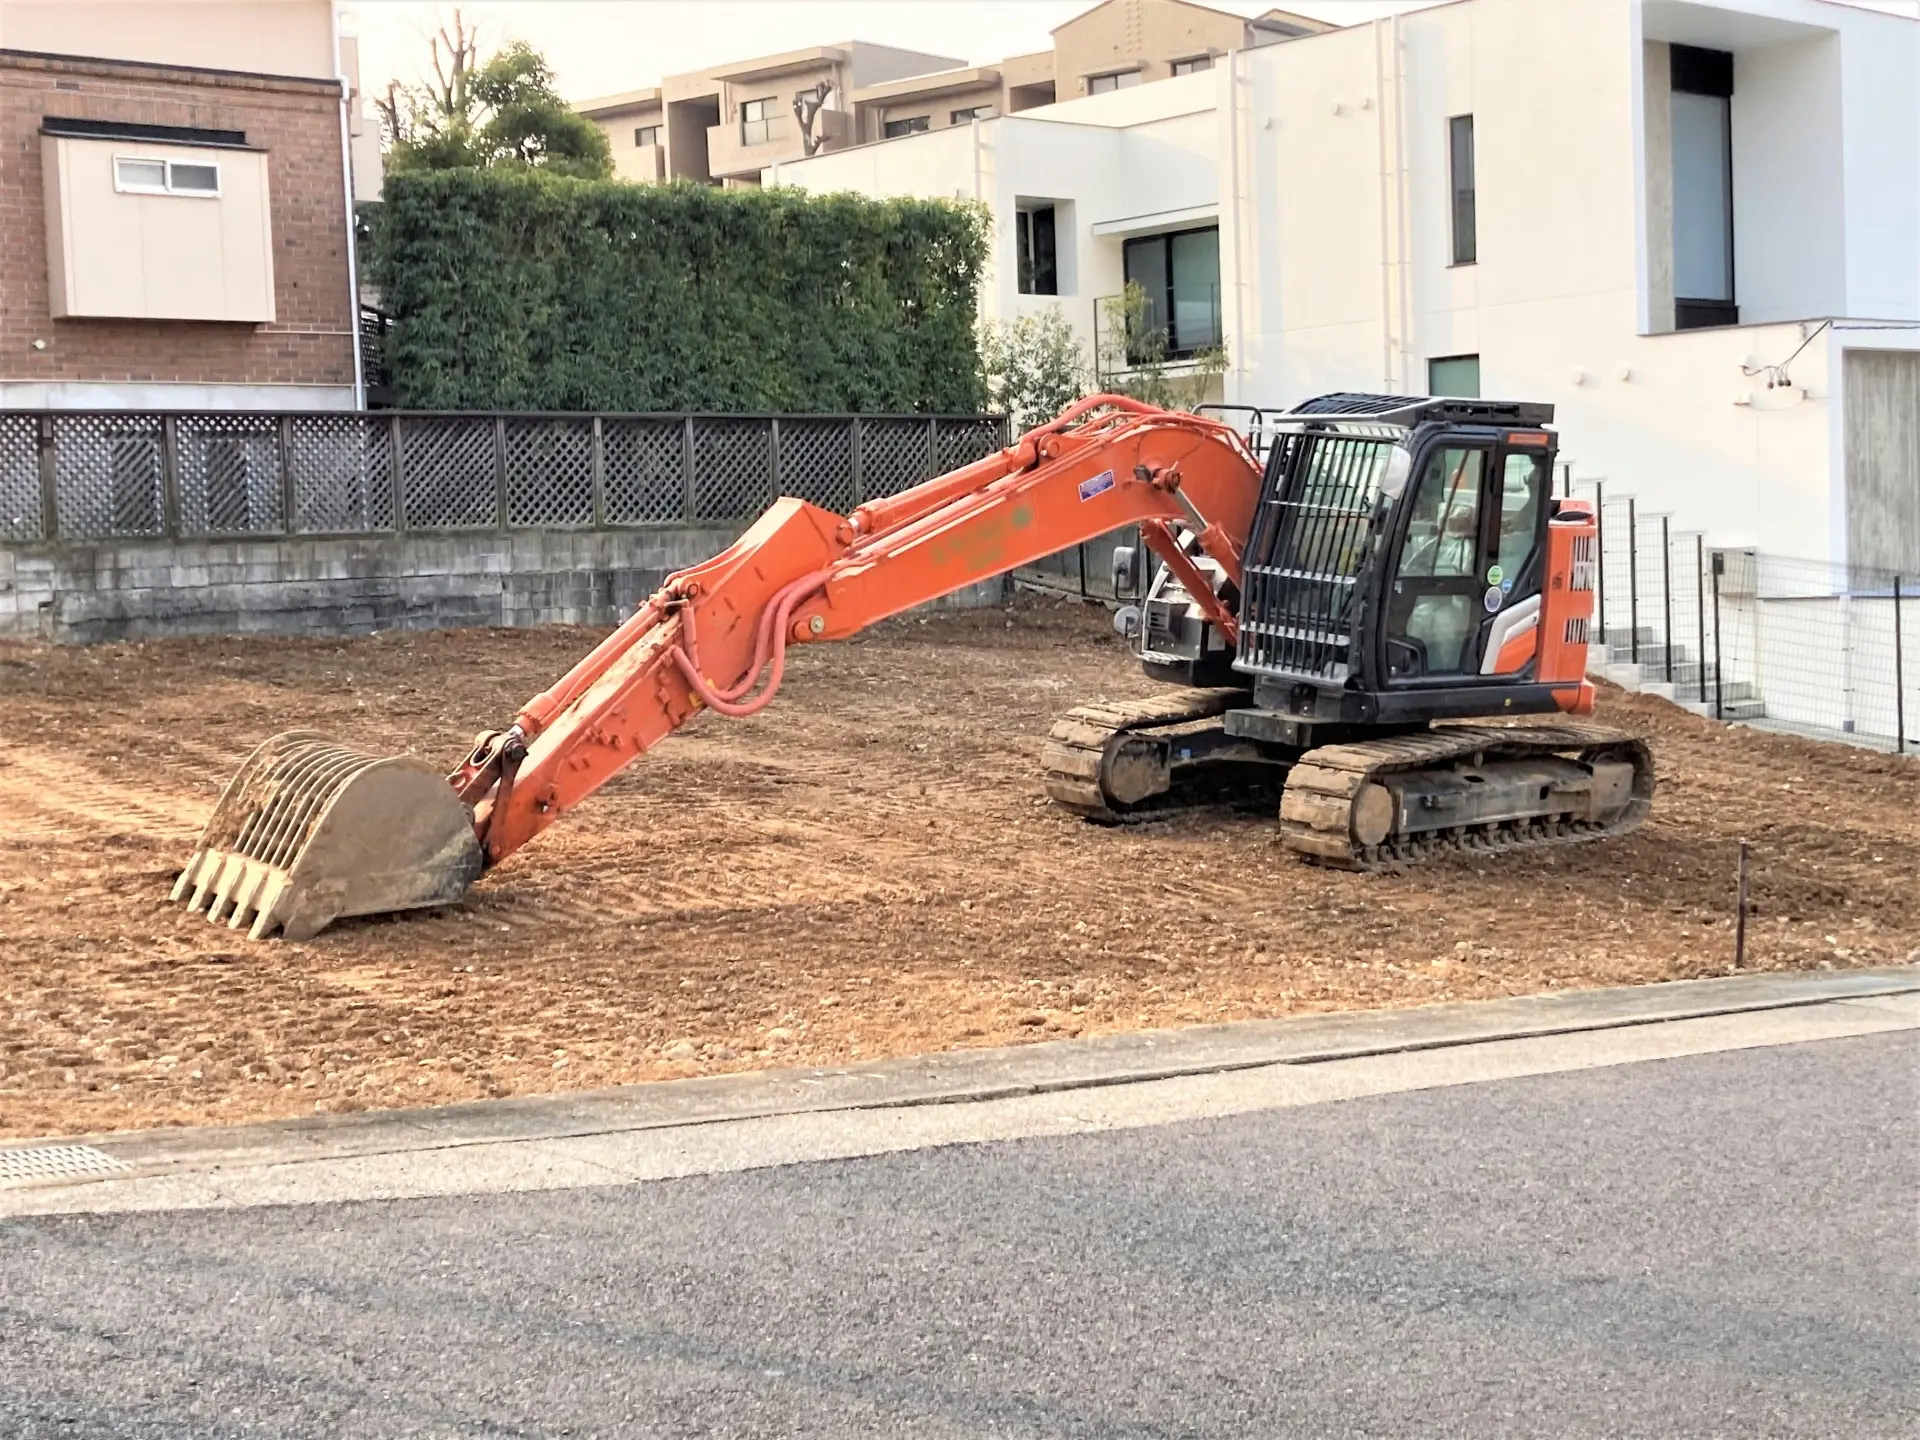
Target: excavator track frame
<point>1327,785</point>
<point>1119,763</point>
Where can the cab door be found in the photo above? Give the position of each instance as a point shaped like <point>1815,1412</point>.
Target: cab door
<point>1435,593</point>
<point>1509,633</point>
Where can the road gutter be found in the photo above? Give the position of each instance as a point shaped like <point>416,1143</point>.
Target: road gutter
<point>99,1171</point>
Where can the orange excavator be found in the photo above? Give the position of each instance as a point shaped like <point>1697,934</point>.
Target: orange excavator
<point>1355,626</point>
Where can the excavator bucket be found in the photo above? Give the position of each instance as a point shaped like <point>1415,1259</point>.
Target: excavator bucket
<point>309,832</point>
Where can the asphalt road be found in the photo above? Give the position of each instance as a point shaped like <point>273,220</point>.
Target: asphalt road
<point>1718,1245</point>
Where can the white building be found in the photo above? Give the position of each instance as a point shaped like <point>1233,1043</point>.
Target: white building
<point>1545,201</point>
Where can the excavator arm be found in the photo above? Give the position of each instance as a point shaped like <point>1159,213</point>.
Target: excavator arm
<point>309,832</point>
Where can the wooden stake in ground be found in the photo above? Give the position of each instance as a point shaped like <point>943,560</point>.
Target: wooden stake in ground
<point>1740,919</point>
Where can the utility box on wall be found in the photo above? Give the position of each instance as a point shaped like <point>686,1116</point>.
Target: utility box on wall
<point>146,229</point>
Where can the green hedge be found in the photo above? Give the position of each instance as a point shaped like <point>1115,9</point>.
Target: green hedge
<point>517,290</point>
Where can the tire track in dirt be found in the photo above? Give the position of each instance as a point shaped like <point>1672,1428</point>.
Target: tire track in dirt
<point>47,798</point>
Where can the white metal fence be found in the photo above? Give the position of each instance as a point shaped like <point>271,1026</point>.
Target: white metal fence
<point>1801,644</point>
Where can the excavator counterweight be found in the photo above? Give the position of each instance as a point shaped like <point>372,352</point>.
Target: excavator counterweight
<point>1395,568</point>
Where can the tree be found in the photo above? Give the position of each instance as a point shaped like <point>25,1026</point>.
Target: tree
<point>1133,357</point>
<point>500,111</point>
<point>1034,366</point>
<point>807,106</point>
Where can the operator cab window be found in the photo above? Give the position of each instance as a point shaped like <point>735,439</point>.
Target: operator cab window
<point>1523,494</point>
<point>1434,607</point>
<point>1443,532</point>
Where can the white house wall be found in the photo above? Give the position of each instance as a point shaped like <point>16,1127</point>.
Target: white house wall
<point>1881,125</point>
<point>1789,198</point>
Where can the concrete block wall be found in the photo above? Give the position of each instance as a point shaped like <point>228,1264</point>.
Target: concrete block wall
<point>142,590</point>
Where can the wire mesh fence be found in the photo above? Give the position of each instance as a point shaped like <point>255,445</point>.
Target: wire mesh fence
<point>1812,646</point>
<point>116,475</point>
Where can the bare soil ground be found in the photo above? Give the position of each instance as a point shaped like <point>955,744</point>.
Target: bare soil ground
<point>867,868</point>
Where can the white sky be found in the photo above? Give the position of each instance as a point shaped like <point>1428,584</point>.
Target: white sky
<point>600,47</point>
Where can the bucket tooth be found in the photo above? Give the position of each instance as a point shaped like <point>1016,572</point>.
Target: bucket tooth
<point>308,832</point>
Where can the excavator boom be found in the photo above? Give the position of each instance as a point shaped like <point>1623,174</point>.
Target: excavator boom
<point>309,832</point>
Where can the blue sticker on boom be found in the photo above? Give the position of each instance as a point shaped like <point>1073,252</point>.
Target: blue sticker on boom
<point>1098,485</point>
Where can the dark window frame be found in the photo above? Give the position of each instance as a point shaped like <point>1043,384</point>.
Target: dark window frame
<point>968,115</point>
<point>1168,301</point>
<point>1192,64</point>
<point>768,111</point>
<point>1114,79</point>
<point>1693,70</point>
<point>1462,208</point>
<point>652,130</point>
<point>1037,250</point>
<point>905,126</point>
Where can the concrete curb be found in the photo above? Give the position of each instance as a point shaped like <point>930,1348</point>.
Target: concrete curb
<point>958,1077</point>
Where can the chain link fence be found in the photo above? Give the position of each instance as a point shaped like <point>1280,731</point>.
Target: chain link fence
<point>1803,645</point>
<point>115,475</point>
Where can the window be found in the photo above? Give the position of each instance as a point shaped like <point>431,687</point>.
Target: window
<point>1702,119</point>
<point>1443,528</point>
<point>1181,275</point>
<point>165,177</point>
<point>1039,258</point>
<point>1435,603</point>
<point>1466,244</point>
<point>756,121</point>
<point>646,135</point>
<point>1456,375</point>
<point>1193,66</point>
<point>1523,491</point>
<point>1119,80</point>
<point>972,112</point>
<point>912,125</point>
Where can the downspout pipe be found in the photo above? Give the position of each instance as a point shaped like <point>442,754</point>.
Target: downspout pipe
<point>1388,378</point>
<point>346,184</point>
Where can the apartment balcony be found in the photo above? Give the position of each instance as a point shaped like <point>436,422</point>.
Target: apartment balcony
<point>734,152</point>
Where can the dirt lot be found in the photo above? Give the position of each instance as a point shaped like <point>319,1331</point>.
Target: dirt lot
<point>865,869</point>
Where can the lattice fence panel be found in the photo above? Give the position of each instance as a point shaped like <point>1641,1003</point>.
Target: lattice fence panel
<point>645,471</point>
<point>448,471</point>
<point>549,472</point>
<point>342,473</point>
<point>816,462</point>
<point>732,468</point>
<point>227,474</point>
<point>20,517</point>
<point>109,476</point>
<point>961,442</point>
<point>895,455</point>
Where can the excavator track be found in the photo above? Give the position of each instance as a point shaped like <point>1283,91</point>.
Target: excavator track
<point>1344,804</point>
<point>1127,761</point>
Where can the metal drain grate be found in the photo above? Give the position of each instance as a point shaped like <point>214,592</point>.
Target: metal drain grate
<point>53,1162</point>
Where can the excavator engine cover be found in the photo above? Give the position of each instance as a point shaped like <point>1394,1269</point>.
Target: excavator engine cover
<point>309,832</point>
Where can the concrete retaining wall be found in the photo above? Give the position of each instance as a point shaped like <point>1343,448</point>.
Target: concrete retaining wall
<point>134,590</point>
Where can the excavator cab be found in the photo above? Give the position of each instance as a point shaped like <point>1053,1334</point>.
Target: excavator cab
<point>1399,568</point>
<point>1424,521</point>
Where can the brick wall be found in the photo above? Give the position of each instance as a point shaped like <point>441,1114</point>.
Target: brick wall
<point>297,121</point>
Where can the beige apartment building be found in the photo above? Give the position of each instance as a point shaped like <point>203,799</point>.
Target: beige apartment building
<point>728,124</point>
